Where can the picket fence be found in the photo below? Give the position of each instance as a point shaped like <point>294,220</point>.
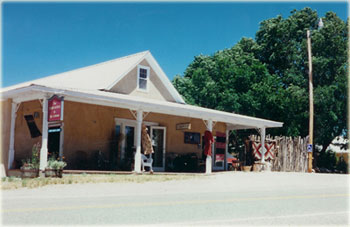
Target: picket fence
<point>290,153</point>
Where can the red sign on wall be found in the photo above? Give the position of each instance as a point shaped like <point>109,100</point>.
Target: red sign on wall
<point>55,112</point>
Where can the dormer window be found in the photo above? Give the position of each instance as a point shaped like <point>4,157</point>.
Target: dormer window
<point>142,77</point>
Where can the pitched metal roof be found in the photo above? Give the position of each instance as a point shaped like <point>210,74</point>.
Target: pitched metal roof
<point>102,76</point>
<point>88,85</point>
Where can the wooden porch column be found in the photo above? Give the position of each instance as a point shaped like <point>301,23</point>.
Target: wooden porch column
<point>262,136</point>
<point>208,164</point>
<point>226,149</point>
<point>43,150</point>
<point>12,135</point>
<point>137,165</point>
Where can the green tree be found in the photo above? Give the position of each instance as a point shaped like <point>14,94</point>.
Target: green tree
<point>284,50</point>
<point>233,80</point>
<point>268,77</point>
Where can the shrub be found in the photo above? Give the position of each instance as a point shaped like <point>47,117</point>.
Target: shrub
<point>34,161</point>
<point>55,163</point>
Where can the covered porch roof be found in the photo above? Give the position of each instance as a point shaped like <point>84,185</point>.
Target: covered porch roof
<point>98,97</point>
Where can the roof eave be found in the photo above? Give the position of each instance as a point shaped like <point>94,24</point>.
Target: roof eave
<point>158,107</point>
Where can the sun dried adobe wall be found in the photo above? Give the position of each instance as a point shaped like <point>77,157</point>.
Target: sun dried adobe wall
<point>23,140</point>
<point>5,130</point>
<point>175,138</point>
<point>89,128</point>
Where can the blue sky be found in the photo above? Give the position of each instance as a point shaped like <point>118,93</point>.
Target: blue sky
<point>42,39</point>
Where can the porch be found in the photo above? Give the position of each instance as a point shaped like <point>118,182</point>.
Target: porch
<point>110,124</point>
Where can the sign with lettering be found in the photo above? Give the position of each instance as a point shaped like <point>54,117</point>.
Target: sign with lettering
<point>183,126</point>
<point>55,108</point>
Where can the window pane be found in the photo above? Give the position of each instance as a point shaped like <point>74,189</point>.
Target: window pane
<point>143,84</point>
<point>143,73</point>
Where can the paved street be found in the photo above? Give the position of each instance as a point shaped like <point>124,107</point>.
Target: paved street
<point>230,198</point>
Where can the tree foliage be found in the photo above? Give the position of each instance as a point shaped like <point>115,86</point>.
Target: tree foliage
<point>268,77</point>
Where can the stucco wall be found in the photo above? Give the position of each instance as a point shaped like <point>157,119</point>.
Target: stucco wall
<point>5,130</point>
<point>89,128</point>
<point>23,140</point>
<point>175,138</point>
<point>128,85</point>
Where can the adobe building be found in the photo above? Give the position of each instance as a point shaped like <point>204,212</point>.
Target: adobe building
<point>97,112</point>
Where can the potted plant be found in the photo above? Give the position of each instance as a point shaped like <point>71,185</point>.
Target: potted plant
<point>248,156</point>
<point>49,170</point>
<point>30,166</point>
<point>54,167</point>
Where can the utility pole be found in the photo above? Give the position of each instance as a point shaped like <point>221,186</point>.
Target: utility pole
<point>311,105</point>
<point>311,99</point>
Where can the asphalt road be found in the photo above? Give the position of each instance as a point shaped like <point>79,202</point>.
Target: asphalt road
<point>231,198</point>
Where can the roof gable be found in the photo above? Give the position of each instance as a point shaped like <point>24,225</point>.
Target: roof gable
<point>102,76</point>
<point>155,88</point>
<point>153,64</point>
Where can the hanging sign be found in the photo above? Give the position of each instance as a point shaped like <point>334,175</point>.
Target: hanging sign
<point>183,126</point>
<point>55,108</point>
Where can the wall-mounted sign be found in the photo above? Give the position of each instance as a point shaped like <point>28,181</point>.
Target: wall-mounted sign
<point>183,126</point>
<point>55,108</point>
<point>192,137</point>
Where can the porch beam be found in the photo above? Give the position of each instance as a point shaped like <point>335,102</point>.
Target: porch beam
<point>137,165</point>
<point>208,164</point>
<point>124,101</point>
<point>14,108</point>
<point>44,138</point>
<point>28,97</point>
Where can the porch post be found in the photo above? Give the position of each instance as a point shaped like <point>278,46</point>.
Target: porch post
<point>137,165</point>
<point>262,136</point>
<point>208,164</point>
<point>43,150</point>
<point>12,135</point>
<point>226,149</point>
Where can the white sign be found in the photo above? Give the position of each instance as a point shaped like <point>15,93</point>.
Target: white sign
<point>183,126</point>
<point>309,148</point>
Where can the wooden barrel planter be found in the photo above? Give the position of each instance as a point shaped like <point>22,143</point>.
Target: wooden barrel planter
<point>246,168</point>
<point>50,172</point>
<point>29,173</point>
<point>59,173</point>
<point>53,172</point>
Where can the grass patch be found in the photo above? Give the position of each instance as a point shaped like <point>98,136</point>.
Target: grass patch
<point>15,182</point>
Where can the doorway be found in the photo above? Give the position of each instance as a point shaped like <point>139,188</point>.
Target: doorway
<point>219,152</point>
<point>54,142</point>
<point>126,130</point>
<point>158,135</point>
<point>129,145</point>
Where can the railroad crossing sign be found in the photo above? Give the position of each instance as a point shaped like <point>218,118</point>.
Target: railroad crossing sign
<point>269,152</point>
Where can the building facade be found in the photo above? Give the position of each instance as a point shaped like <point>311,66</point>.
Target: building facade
<point>95,114</point>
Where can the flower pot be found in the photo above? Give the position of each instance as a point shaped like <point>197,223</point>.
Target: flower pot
<point>50,172</point>
<point>53,172</point>
<point>247,168</point>
<point>59,173</point>
<point>29,173</point>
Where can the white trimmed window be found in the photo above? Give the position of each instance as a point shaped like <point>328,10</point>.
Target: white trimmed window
<point>142,77</point>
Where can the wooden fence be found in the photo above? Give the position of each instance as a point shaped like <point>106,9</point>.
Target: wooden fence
<point>290,153</point>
